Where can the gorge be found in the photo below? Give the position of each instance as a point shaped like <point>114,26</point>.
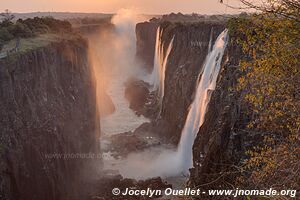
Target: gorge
<point>92,76</point>
<point>104,78</point>
<point>131,102</point>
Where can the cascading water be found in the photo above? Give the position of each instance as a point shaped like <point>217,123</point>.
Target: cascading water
<point>163,71</point>
<point>156,68</point>
<point>165,162</point>
<point>210,40</point>
<point>160,63</point>
<point>197,110</point>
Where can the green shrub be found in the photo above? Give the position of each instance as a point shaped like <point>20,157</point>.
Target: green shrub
<point>21,30</point>
<point>31,27</point>
<point>5,35</point>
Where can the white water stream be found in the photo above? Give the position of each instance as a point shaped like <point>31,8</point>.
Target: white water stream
<point>198,108</point>
<point>166,162</point>
<point>160,64</point>
<point>117,51</point>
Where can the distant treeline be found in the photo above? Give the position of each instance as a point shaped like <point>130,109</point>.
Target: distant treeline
<point>31,27</point>
<point>89,20</point>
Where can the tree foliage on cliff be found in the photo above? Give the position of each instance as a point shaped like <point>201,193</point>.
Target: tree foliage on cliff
<point>271,86</point>
<point>29,27</point>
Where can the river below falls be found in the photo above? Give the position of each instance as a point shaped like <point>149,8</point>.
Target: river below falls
<point>121,121</point>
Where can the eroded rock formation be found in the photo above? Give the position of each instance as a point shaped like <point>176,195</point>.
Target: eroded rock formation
<point>48,109</point>
<point>190,48</point>
<point>145,43</point>
<point>220,142</point>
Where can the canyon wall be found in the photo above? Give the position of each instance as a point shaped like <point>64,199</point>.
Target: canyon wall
<point>145,43</point>
<point>221,141</point>
<point>190,48</point>
<point>186,60</point>
<point>48,108</point>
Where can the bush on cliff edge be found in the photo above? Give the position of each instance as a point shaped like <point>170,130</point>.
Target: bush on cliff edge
<point>271,86</point>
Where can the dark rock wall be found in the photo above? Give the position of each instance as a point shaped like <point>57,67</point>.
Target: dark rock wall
<point>190,48</point>
<point>185,62</point>
<point>220,142</point>
<point>218,145</point>
<point>145,43</point>
<point>48,106</point>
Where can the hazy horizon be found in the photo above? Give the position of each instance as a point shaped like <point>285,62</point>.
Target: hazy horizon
<point>152,7</point>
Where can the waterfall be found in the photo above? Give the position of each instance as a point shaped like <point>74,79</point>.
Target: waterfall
<point>198,108</point>
<point>210,40</point>
<point>163,71</point>
<point>164,162</point>
<point>160,63</point>
<point>155,73</point>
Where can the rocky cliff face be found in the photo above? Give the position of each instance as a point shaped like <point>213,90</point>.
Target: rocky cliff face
<point>145,43</point>
<point>185,62</point>
<point>220,142</point>
<point>190,48</point>
<point>49,122</point>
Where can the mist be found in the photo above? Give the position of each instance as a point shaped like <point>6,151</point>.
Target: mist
<point>112,55</point>
<point>164,162</point>
<point>114,62</point>
<point>114,49</point>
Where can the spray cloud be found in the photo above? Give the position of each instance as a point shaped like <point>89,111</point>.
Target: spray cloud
<point>165,162</point>
<point>113,59</point>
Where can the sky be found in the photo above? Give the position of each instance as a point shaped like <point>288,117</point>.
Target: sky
<point>112,6</point>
